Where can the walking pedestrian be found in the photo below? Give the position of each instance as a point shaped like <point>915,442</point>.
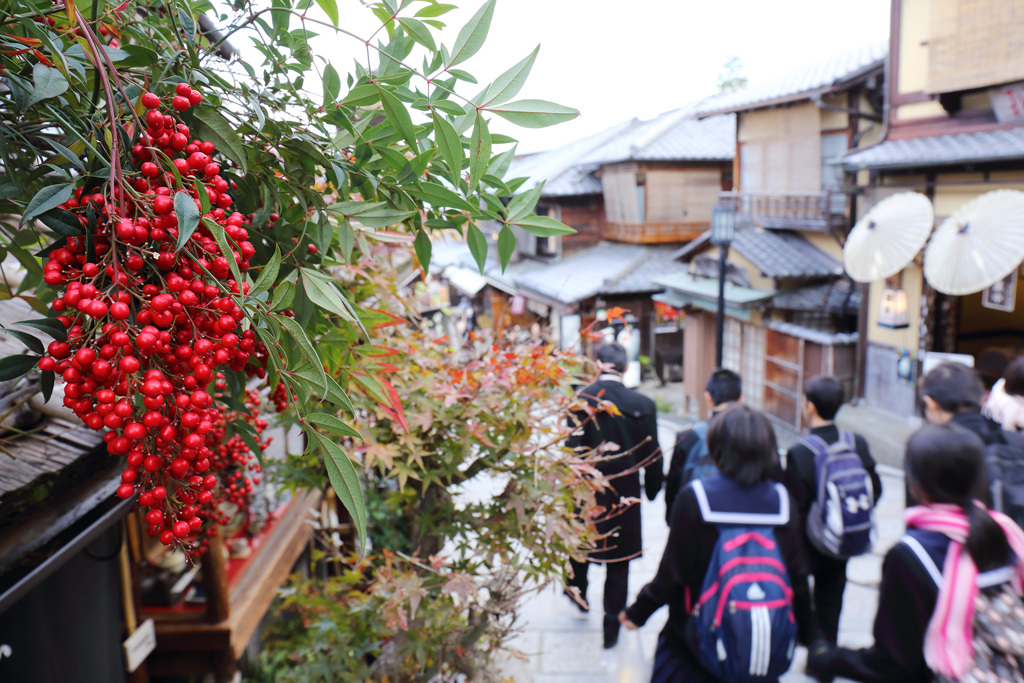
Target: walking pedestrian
<point>634,431</point>
<point>930,579</point>
<point>690,457</point>
<point>808,467</point>
<point>733,572</point>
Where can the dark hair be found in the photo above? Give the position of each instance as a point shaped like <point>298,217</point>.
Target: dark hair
<point>990,365</point>
<point>724,386</point>
<point>742,444</point>
<point>826,395</point>
<point>946,464</point>
<point>614,355</point>
<point>1014,377</point>
<point>955,387</point>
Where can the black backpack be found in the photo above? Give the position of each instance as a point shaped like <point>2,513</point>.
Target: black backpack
<point>1006,475</point>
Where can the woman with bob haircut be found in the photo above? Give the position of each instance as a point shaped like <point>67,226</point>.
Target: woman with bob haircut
<point>743,446</point>
<point>953,548</point>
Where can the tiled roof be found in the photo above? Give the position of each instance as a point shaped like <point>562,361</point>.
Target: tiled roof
<point>778,254</point>
<point>605,268</point>
<point>941,150</point>
<point>673,136</point>
<point>799,85</point>
<point>835,297</point>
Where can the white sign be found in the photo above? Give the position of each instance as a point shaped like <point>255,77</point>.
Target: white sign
<point>1002,296</point>
<point>929,359</point>
<point>139,645</point>
<point>1008,102</point>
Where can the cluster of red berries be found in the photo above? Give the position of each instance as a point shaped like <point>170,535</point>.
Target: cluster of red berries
<point>151,328</point>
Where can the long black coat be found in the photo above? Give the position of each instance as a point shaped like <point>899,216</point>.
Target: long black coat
<point>637,429</point>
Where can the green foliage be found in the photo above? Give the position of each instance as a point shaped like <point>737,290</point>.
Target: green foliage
<point>377,154</point>
<point>469,488</point>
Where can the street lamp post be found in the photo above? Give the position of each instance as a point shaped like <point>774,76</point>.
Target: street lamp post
<point>723,227</point>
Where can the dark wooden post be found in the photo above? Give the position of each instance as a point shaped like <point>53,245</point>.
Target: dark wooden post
<point>215,580</point>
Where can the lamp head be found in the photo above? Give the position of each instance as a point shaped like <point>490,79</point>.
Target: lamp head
<point>723,225</point>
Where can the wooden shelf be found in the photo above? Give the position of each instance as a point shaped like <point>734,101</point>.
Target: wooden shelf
<point>241,593</point>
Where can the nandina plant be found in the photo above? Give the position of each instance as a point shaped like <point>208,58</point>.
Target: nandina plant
<point>177,214</point>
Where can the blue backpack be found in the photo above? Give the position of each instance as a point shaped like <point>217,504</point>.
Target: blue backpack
<point>698,463</point>
<point>839,523</point>
<point>743,628</point>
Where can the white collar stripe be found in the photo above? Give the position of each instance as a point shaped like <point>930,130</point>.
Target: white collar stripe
<point>751,518</point>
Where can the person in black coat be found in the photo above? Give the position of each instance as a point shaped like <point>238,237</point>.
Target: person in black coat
<point>743,446</point>
<point>823,398</point>
<point>952,393</point>
<point>635,432</point>
<point>944,465</point>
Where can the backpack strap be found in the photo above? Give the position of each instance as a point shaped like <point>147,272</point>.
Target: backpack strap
<point>847,438</point>
<point>747,518</point>
<point>924,558</point>
<point>993,577</point>
<point>815,444</point>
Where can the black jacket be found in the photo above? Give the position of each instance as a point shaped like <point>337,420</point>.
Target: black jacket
<point>905,604</point>
<point>989,431</point>
<point>801,481</point>
<point>691,542</point>
<point>637,429</point>
<point>684,441</point>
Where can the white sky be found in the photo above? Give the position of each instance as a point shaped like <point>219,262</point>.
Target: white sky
<point>614,60</point>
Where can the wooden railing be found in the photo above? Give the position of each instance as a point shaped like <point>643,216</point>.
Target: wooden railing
<point>655,232</point>
<point>822,211</point>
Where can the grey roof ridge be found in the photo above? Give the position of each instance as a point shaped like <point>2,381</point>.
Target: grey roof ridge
<point>672,120</point>
<point>602,138</point>
<point>637,261</point>
<point>837,84</point>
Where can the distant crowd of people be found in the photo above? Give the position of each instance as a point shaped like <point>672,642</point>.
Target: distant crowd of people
<point>758,546</point>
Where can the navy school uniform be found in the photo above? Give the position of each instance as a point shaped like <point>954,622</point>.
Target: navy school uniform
<point>685,561</point>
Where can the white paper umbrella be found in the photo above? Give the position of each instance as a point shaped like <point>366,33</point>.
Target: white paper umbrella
<point>888,237</point>
<point>980,244</point>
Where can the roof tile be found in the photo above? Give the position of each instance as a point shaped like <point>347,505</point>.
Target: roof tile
<point>940,150</point>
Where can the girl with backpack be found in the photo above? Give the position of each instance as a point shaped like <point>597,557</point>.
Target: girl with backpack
<point>949,600</point>
<point>733,573</point>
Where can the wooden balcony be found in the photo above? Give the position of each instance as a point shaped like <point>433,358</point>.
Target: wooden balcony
<point>655,233</point>
<point>821,211</point>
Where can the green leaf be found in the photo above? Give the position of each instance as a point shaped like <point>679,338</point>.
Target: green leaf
<point>471,37</point>
<point>345,480</point>
<point>54,328</point>
<point>332,84</point>
<point>337,395</point>
<point>216,129</point>
<point>399,117</point>
<point>268,276</point>
<point>434,10</point>
<point>49,82</point>
<point>522,204</point>
<point>477,245</point>
<point>27,339</point>
<point>13,367</point>
<point>362,96</point>
<point>543,226</point>
<point>46,384</point>
<point>450,144</point>
<point>330,7</point>
<point>62,222</point>
<point>332,423</point>
<point>188,218</point>
<point>506,246</point>
<point>188,25</point>
<point>322,292</point>
<point>310,355</point>
<point>423,248</point>
<point>284,294</point>
<point>419,32</point>
<point>50,197</point>
<point>449,107</point>
<point>346,239</point>
<point>479,151</point>
<point>509,83</point>
<point>221,238</point>
<point>534,113</point>
<point>440,196</point>
<point>462,75</point>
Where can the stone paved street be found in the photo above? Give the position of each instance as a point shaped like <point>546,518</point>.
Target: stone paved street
<point>559,647</point>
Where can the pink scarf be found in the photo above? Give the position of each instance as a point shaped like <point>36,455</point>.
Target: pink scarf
<point>948,649</point>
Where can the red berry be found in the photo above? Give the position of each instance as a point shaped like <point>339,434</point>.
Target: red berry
<point>181,529</point>
<point>167,537</point>
<point>125,491</point>
<point>150,101</point>
<point>181,103</point>
<point>182,89</point>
